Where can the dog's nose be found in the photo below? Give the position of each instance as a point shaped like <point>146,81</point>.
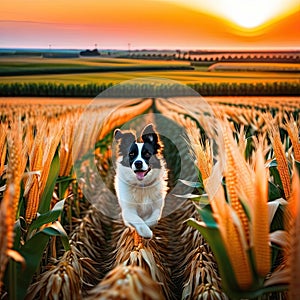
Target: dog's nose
<point>138,164</point>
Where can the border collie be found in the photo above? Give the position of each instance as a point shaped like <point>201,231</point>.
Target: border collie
<point>141,179</point>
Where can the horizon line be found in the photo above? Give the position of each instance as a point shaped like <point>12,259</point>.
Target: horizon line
<point>217,48</point>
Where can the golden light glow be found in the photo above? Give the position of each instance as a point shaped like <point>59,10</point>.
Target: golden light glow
<point>251,13</point>
<point>248,14</point>
<point>163,24</point>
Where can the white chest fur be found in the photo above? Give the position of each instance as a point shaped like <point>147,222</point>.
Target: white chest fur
<point>141,201</point>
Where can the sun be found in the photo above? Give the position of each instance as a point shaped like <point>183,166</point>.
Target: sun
<point>247,14</point>
<point>250,14</point>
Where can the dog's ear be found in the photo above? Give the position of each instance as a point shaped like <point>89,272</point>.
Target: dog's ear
<point>150,136</point>
<point>118,134</point>
<point>125,139</point>
<point>126,134</point>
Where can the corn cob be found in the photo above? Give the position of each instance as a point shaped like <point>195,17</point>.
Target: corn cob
<point>260,222</point>
<point>33,198</point>
<point>3,130</point>
<point>202,154</point>
<point>232,183</point>
<point>238,255</point>
<point>292,249</point>
<point>52,144</point>
<point>294,132</point>
<point>282,164</point>
<point>10,201</point>
<point>234,241</point>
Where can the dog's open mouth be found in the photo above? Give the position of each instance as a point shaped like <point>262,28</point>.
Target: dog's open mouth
<point>140,175</point>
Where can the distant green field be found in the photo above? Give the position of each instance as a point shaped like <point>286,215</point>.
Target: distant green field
<point>106,70</point>
<point>256,67</point>
<point>44,66</point>
<point>186,76</point>
<point>103,70</point>
<point>82,61</point>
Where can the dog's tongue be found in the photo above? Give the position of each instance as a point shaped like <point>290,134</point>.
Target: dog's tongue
<point>140,175</point>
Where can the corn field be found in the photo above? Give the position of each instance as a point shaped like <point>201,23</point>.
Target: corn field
<point>52,89</point>
<point>235,235</point>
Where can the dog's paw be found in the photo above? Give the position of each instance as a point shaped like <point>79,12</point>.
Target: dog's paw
<point>144,231</point>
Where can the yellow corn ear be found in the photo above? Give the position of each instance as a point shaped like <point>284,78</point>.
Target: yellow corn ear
<point>2,158</point>
<point>260,220</point>
<point>233,241</point>
<point>65,154</point>
<point>202,155</point>
<point>292,250</point>
<point>231,185</point>
<point>237,253</point>
<point>3,130</point>
<point>33,200</point>
<point>14,182</point>
<point>9,203</point>
<point>53,141</point>
<point>282,164</point>
<point>293,132</point>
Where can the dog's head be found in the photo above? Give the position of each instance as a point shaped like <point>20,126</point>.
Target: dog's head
<point>141,157</point>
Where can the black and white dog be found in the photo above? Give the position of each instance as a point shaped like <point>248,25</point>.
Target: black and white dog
<point>141,179</point>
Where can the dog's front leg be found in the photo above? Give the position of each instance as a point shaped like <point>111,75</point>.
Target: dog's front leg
<point>156,213</point>
<point>132,219</point>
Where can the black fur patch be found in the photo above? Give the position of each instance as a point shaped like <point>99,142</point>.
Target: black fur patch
<point>148,154</point>
<point>151,137</point>
<point>125,139</point>
<point>128,149</point>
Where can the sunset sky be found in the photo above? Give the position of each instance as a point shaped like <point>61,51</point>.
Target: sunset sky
<point>161,24</point>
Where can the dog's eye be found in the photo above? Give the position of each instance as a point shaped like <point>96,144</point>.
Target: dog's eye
<point>147,155</point>
<point>131,154</point>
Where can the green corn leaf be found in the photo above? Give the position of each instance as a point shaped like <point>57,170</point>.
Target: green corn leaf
<point>32,252</point>
<point>278,219</point>
<point>207,217</point>
<point>192,183</point>
<point>63,185</point>
<point>249,146</point>
<point>18,233</point>
<point>297,164</point>
<point>273,207</point>
<point>48,217</point>
<point>272,163</point>
<point>277,181</point>
<point>274,192</point>
<point>50,184</point>
<point>57,229</point>
<point>212,235</point>
<point>187,196</point>
<point>275,253</point>
<point>21,205</point>
<point>210,231</point>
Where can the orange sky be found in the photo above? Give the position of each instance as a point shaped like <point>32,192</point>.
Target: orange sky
<point>175,24</point>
